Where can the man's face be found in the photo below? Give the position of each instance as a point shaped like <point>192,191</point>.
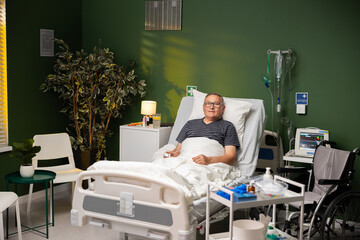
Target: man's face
<point>213,107</point>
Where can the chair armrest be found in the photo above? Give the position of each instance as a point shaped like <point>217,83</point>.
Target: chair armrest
<point>332,181</point>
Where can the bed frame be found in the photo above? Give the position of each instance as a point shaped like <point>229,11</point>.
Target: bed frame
<point>147,212</point>
<point>143,205</point>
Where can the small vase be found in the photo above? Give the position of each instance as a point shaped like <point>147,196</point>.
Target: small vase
<point>27,170</point>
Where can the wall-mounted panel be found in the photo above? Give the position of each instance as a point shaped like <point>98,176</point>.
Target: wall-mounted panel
<point>163,15</point>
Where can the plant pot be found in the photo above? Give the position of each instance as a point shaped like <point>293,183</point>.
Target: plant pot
<point>83,159</point>
<point>27,170</point>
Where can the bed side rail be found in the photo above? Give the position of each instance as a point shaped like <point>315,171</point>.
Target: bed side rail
<point>144,188</point>
<point>109,186</point>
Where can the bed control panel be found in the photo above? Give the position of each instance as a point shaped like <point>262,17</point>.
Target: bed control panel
<point>126,206</point>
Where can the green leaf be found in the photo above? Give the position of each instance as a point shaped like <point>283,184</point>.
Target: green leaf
<point>25,150</point>
<point>91,79</point>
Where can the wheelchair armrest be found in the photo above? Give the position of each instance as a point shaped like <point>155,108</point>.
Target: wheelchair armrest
<point>292,170</point>
<point>332,181</point>
<point>357,151</point>
<point>324,142</point>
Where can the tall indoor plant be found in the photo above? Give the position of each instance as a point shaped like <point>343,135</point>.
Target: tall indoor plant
<point>94,90</point>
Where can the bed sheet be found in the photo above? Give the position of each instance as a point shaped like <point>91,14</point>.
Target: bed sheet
<point>192,178</point>
<point>198,211</point>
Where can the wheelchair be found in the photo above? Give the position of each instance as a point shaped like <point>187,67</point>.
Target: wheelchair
<point>332,207</point>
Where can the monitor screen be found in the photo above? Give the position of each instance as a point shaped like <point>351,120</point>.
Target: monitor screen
<point>309,141</point>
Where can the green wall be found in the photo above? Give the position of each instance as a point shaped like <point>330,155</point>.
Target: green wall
<point>222,47</point>
<point>30,111</point>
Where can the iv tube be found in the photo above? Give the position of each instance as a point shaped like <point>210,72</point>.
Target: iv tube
<point>281,68</point>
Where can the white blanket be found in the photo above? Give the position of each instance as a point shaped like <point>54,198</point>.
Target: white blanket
<point>190,176</point>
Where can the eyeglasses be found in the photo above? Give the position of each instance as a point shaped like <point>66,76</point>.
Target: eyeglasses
<point>215,104</point>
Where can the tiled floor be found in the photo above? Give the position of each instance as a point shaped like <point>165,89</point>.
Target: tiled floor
<point>62,229</point>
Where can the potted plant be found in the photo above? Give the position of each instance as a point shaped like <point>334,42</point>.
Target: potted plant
<point>93,90</point>
<point>25,151</point>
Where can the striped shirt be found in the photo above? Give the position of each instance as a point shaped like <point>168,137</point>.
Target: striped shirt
<point>221,130</point>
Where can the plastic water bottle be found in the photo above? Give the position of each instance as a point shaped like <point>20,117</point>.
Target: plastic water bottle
<point>267,175</point>
<point>272,233</point>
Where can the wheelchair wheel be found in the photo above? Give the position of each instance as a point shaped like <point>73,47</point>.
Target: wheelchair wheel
<point>342,217</point>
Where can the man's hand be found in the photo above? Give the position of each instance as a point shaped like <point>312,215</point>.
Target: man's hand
<point>173,153</point>
<point>228,158</point>
<point>201,159</point>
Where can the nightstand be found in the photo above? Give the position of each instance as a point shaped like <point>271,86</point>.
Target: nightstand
<point>138,143</point>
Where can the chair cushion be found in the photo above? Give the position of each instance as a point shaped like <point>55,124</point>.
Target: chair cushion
<point>7,199</point>
<point>67,175</point>
<point>309,198</point>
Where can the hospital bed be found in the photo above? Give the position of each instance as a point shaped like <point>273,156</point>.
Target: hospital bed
<point>148,207</point>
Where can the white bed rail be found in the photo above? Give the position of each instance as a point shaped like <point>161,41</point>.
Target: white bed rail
<point>159,207</point>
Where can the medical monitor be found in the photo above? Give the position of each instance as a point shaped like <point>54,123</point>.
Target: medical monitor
<point>307,139</point>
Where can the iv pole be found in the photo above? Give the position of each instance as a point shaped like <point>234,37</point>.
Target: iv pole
<point>279,62</point>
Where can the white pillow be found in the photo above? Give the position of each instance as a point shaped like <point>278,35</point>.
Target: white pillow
<point>235,111</point>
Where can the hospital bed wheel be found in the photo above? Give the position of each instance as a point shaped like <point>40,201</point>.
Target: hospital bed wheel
<point>342,217</point>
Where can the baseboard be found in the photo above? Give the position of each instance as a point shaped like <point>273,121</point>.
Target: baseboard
<point>41,193</point>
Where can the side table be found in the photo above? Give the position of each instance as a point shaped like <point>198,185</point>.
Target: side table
<point>138,143</point>
<point>40,176</point>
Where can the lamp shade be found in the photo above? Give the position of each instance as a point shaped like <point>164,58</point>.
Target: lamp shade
<point>148,107</point>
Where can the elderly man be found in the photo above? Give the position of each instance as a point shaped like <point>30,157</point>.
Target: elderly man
<point>213,127</point>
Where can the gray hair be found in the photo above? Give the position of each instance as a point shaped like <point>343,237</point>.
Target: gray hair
<point>216,94</point>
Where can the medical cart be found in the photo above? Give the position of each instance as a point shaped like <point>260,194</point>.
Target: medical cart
<point>289,196</point>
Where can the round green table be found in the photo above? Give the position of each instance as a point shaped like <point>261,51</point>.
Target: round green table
<point>40,176</point>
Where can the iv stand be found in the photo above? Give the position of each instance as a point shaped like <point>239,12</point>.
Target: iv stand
<point>278,59</point>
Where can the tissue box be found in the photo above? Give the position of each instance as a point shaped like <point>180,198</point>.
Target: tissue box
<point>241,197</point>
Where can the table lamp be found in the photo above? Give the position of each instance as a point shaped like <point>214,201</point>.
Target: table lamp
<point>148,108</point>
